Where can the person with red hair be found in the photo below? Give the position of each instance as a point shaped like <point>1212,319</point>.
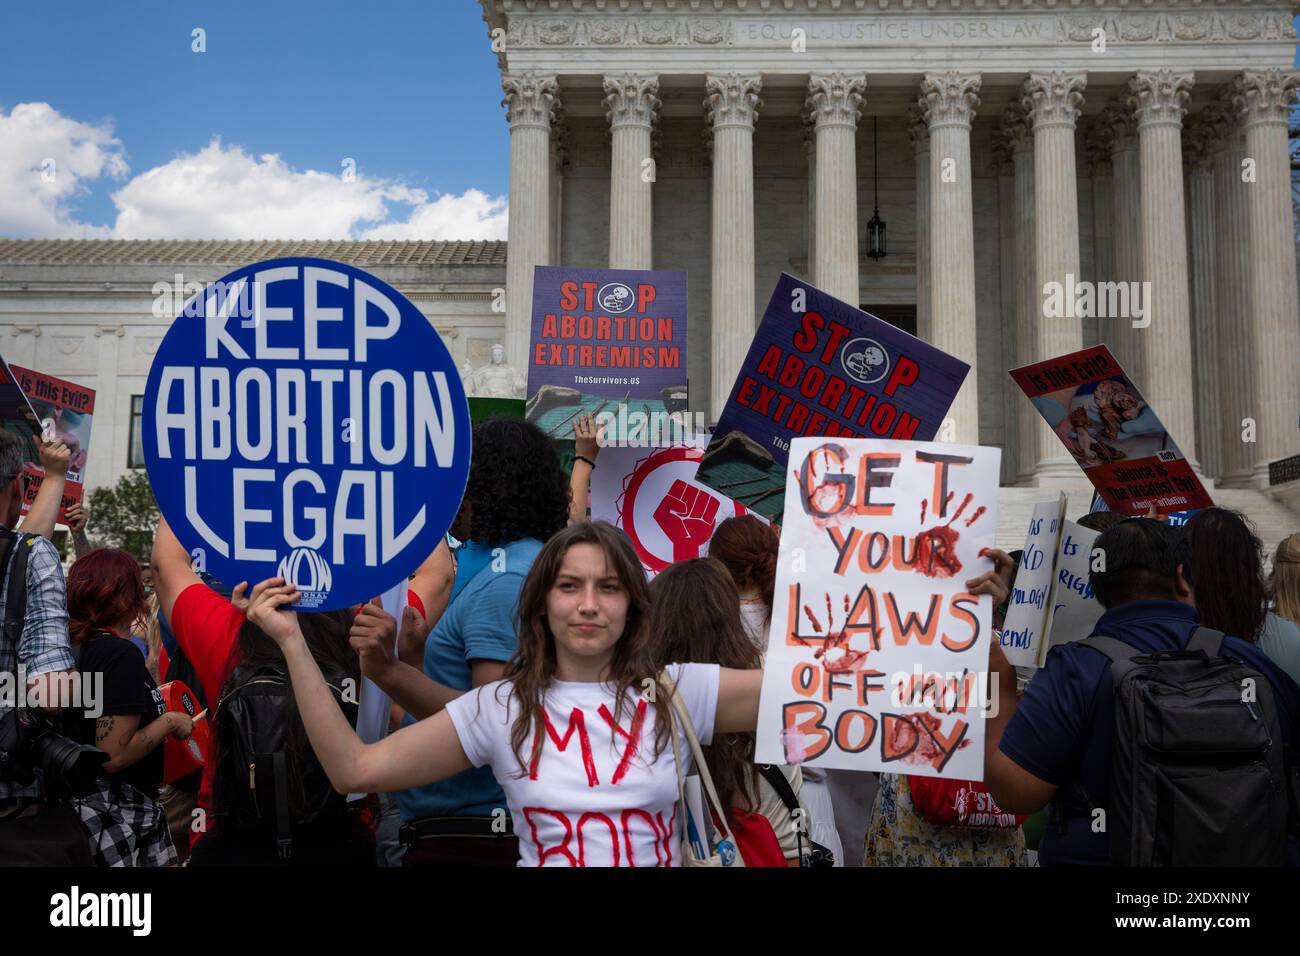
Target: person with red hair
<point>748,548</point>
<point>129,721</point>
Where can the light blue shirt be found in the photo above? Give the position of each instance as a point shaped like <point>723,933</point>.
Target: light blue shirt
<point>1280,640</point>
<point>479,624</point>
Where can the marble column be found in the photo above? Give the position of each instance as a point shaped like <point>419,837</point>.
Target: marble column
<point>919,130</point>
<point>949,101</point>
<point>559,162</point>
<point>1233,341</point>
<point>810,152</point>
<point>1007,284</point>
<point>1158,99</point>
<point>1025,420</point>
<point>732,104</point>
<point>1126,187</point>
<point>1097,150</point>
<point>530,104</point>
<point>834,101</point>
<point>1052,102</point>
<point>1202,247</point>
<point>631,102</point>
<point>1263,99</point>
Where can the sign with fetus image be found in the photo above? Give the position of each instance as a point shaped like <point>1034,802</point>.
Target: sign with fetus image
<point>1103,421</point>
<point>877,653</point>
<point>66,412</point>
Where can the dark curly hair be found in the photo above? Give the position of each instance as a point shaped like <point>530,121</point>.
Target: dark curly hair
<point>516,487</point>
<point>1226,571</point>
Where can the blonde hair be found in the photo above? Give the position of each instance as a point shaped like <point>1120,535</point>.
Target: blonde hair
<point>1284,582</point>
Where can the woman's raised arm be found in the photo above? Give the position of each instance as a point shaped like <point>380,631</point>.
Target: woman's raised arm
<point>423,753</point>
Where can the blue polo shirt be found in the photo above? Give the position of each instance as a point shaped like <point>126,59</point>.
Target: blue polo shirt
<point>1062,730</point>
<point>479,624</point>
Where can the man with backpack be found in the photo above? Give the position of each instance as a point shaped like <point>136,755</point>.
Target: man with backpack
<point>1156,741</point>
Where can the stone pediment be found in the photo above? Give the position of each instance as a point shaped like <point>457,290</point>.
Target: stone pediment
<point>782,36</point>
<point>902,22</point>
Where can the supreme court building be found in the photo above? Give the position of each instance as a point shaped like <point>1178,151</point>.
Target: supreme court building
<point>1007,144</point>
<point>1017,145</point>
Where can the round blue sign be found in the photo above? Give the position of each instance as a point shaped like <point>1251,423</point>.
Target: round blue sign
<point>302,418</point>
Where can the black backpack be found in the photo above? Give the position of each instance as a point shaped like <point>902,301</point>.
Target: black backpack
<point>255,765</point>
<point>1198,771</point>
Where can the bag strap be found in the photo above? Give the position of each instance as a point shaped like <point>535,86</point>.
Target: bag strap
<point>777,781</point>
<point>1121,655</point>
<point>701,766</point>
<point>1206,640</point>
<point>283,831</point>
<point>14,550</point>
<point>781,786</point>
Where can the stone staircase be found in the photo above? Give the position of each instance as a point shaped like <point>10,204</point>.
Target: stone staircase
<point>1273,520</point>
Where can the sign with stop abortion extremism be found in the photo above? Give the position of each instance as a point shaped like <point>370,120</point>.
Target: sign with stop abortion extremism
<point>302,418</point>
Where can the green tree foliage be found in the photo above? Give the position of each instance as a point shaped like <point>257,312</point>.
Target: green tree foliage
<point>124,515</point>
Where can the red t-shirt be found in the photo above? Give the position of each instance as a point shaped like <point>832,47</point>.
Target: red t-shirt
<point>206,626</point>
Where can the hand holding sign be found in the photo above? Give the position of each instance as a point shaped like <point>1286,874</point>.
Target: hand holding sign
<point>239,596</point>
<point>264,610</point>
<point>76,518</point>
<point>372,635</point>
<point>687,515</point>
<point>997,582</point>
<point>55,455</point>
<point>414,632</point>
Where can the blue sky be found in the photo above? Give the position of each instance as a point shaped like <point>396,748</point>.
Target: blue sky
<point>112,126</point>
<point>408,88</point>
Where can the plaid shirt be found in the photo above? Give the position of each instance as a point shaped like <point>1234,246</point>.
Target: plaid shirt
<point>44,645</point>
<point>125,827</point>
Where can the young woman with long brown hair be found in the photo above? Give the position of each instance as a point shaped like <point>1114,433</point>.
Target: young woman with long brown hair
<point>748,549</point>
<point>697,620</point>
<point>577,732</point>
<point>1224,564</point>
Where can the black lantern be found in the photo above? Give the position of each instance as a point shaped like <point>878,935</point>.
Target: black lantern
<point>876,225</point>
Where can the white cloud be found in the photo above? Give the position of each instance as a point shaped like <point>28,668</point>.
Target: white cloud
<point>472,215</point>
<point>221,192</point>
<point>46,161</point>
<point>218,192</point>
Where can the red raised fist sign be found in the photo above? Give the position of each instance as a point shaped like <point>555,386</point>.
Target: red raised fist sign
<point>687,515</point>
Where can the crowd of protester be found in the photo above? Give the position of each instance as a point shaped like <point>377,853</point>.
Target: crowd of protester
<point>508,646</point>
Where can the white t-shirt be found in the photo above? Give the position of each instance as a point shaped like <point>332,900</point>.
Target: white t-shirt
<point>596,796</point>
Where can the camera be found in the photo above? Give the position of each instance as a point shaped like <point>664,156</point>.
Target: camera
<point>29,740</point>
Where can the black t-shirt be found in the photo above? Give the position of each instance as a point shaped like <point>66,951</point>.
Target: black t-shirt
<point>128,688</point>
